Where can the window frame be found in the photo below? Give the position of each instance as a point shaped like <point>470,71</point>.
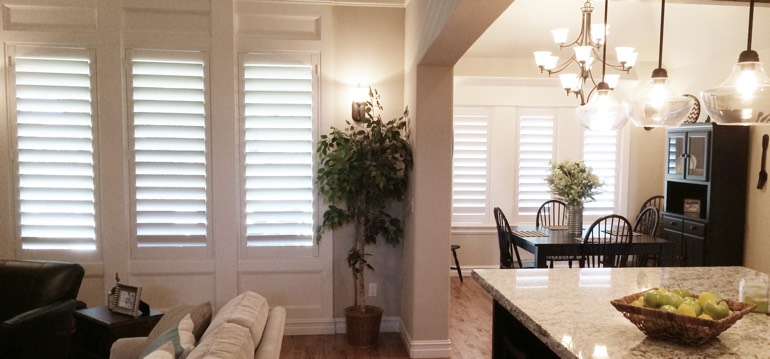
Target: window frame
<point>165,252</point>
<point>12,51</point>
<point>478,219</point>
<point>539,112</point>
<point>311,58</point>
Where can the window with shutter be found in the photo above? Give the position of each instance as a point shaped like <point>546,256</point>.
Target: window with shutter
<point>52,100</point>
<point>279,93</point>
<point>169,116</point>
<point>600,151</point>
<point>536,150</point>
<point>470,165</point>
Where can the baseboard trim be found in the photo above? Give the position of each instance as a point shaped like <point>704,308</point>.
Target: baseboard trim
<point>387,325</point>
<point>425,348</point>
<point>308,327</point>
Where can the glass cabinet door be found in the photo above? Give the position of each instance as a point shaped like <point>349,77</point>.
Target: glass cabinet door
<point>676,155</point>
<point>697,156</point>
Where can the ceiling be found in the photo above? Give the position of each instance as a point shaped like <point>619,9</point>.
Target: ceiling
<point>693,31</point>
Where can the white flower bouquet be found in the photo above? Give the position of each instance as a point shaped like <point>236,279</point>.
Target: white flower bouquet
<point>573,182</point>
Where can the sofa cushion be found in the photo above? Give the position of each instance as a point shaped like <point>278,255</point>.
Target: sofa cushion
<point>181,338</point>
<point>166,351</point>
<point>227,340</point>
<point>248,310</point>
<point>200,315</point>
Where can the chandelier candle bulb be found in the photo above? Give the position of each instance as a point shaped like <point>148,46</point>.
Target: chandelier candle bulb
<point>598,33</point>
<point>560,36</point>
<point>583,53</point>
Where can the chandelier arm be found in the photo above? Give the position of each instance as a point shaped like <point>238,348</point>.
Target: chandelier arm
<point>563,66</point>
<point>618,67</point>
<point>621,68</point>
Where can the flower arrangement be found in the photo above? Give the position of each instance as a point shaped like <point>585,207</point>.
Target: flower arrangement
<point>573,182</point>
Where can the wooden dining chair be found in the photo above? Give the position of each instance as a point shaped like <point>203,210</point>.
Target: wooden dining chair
<point>608,238</point>
<point>647,223</point>
<point>554,213</point>
<point>505,240</point>
<point>657,202</point>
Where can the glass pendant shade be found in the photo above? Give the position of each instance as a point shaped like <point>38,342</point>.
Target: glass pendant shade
<point>657,105</point>
<point>744,98</point>
<point>603,112</point>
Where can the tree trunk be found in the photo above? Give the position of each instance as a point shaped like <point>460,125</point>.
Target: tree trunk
<point>359,275</point>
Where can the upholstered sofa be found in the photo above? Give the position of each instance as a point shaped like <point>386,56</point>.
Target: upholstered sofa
<point>244,329</point>
<point>37,301</point>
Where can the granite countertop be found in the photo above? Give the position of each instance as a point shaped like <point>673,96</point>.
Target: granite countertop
<point>570,311</point>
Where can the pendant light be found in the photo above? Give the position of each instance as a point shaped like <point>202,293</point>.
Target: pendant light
<point>602,112</point>
<point>657,105</point>
<point>744,98</point>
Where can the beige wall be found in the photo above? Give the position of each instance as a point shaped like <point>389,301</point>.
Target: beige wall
<point>363,55</point>
<point>757,245</point>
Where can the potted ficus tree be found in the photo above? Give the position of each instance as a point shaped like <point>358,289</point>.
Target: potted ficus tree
<point>363,171</point>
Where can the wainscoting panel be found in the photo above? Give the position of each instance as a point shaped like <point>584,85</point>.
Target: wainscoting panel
<point>166,284</point>
<point>49,18</point>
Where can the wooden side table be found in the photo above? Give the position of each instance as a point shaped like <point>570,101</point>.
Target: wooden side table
<point>97,328</point>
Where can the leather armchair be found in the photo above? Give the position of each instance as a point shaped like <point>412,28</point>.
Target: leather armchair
<point>36,307</point>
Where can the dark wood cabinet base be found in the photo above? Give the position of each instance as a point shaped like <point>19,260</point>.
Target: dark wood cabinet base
<point>512,340</point>
<point>97,328</point>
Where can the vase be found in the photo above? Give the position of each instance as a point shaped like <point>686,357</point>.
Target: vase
<point>575,219</point>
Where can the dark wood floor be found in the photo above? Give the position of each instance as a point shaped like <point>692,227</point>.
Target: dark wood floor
<point>470,330</point>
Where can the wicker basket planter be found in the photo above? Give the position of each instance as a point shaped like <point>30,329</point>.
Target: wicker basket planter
<point>679,328</point>
<point>363,328</point>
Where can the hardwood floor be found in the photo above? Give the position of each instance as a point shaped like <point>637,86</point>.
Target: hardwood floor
<point>470,330</point>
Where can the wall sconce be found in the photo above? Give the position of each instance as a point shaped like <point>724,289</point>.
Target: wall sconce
<point>360,96</point>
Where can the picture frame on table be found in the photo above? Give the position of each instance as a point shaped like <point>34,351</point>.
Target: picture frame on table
<point>126,299</point>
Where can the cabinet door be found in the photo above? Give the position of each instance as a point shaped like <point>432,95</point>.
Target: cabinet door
<point>697,155</point>
<point>676,155</point>
<point>675,258</point>
<point>692,251</point>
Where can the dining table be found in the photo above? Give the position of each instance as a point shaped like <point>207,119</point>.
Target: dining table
<point>546,242</point>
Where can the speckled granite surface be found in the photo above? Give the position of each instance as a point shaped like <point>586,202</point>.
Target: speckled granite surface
<point>570,310</point>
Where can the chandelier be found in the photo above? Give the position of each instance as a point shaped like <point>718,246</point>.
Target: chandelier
<point>587,48</point>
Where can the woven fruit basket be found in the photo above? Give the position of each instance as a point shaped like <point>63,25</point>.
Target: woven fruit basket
<point>679,328</point>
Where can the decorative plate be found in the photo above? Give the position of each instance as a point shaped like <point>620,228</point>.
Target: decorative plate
<point>692,117</point>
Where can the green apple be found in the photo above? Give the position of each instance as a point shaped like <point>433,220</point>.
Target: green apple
<point>687,310</point>
<point>668,308</point>
<point>672,299</point>
<point>652,299</point>
<point>705,297</point>
<point>684,293</point>
<point>692,302</point>
<point>716,309</point>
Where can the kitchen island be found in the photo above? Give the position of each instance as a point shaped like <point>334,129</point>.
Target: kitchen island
<point>566,313</point>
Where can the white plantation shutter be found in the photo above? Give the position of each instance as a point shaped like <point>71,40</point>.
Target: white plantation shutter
<point>169,117</point>
<point>278,112</point>
<point>54,137</point>
<point>536,149</point>
<point>600,152</point>
<point>470,165</point>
